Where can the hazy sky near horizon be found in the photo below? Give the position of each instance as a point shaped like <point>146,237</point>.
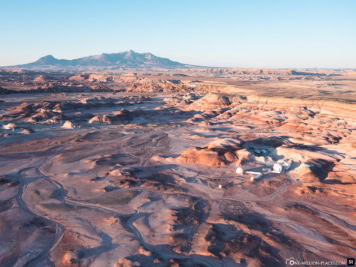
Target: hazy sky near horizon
<point>226,33</point>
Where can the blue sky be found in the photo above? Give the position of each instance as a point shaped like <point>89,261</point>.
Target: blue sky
<point>227,33</point>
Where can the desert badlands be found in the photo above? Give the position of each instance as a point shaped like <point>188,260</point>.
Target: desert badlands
<point>117,168</point>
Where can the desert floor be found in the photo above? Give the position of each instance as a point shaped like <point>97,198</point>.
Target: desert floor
<point>149,178</point>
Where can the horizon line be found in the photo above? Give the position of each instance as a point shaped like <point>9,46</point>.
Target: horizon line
<point>194,65</point>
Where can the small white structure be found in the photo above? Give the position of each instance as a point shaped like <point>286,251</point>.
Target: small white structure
<point>239,170</point>
<point>258,175</point>
<point>282,166</point>
<point>277,168</point>
<point>220,186</point>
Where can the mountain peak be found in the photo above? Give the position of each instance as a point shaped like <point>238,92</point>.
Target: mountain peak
<point>131,52</point>
<point>49,59</point>
<point>128,59</point>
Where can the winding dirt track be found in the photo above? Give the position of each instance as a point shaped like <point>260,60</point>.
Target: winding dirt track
<point>100,196</point>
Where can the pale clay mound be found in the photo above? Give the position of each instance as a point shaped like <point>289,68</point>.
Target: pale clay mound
<point>216,153</point>
<point>137,180</point>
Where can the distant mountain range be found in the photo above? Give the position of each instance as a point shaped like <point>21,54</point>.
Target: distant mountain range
<point>124,60</point>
